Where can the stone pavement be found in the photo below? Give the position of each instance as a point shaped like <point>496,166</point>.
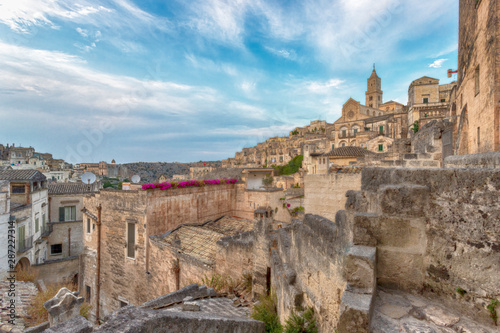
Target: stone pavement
<point>24,293</point>
<point>396,312</point>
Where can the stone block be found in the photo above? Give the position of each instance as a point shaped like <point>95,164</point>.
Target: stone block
<point>76,324</point>
<point>407,200</point>
<point>64,306</point>
<point>364,224</point>
<point>355,312</point>
<point>360,266</point>
<point>397,268</point>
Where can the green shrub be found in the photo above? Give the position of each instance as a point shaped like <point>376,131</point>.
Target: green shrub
<point>266,311</point>
<point>289,169</point>
<point>301,323</point>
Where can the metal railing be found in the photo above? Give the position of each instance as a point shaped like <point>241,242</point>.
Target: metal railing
<point>47,229</point>
<point>24,244</point>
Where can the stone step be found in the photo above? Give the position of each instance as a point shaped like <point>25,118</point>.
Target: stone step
<point>360,268</point>
<point>355,312</point>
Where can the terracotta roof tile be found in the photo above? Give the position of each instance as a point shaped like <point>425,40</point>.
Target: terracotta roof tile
<point>27,174</point>
<point>348,152</point>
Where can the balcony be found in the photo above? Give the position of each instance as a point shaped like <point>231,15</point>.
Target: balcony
<point>347,135</point>
<point>432,114</point>
<point>24,244</point>
<point>47,229</point>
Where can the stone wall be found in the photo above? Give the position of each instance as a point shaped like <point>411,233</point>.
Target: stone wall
<point>474,161</point>
<point>435,230</point>
<point>234,256</point>
<point>170,270</point>
<point>307,268</point>
<point>325,194</point>
<point>478,53</point>
<point>58,270</point>
<point>168,209</point>
<point>61,233</point>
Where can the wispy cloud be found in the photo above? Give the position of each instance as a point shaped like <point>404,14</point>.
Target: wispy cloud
<point>437,63</point>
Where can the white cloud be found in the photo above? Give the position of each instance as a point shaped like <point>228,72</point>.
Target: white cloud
<point>284,53</point>
<point>83,32</point>
<point>24,16</point>
<point>437,63</point>
<point>324,87</point>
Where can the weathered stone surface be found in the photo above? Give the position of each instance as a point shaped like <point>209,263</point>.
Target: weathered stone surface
<point>355,312</point>
<point>407,200</point>
<point>63,306</point>
<point>438,316</point>
<point>360,267</point>
<point>76,324</point>
<point>140,320</point>
<point>394,311</point>
<point>489,160</point>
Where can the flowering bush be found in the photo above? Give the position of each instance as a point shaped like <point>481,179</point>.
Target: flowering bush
<point>188,183</point>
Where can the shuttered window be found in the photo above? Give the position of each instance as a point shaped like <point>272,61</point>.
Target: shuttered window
<point>67,213</point>
<point>131,240</point>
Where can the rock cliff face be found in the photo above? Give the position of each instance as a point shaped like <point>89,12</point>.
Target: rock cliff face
<point>151,171</point>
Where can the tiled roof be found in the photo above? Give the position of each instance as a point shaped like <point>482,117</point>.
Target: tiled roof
<point>199,241</point>
<point>69,188</point>
<point>348,152</point>
<point>28,174</point>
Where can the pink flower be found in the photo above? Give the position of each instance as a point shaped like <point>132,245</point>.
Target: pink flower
<point>288,205</point>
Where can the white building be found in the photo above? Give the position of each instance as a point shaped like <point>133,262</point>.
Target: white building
<point>29,210</point>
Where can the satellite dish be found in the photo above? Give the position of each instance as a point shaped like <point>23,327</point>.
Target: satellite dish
<point>136,179</point>
<point>88,178</point>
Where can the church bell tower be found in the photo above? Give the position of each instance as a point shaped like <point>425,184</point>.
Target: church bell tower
<point>374,90</point>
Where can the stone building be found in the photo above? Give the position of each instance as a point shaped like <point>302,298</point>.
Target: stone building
<point>122,263</point>
<point>4,226</point>
<point>428,100</point>
<point>477,111</point>
<point>29,211</point>
<point>199,172</point>
<point>20,155</point>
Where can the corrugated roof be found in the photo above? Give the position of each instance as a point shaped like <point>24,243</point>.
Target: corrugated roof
<point>348,152</point>
<point>28,174</point>
<point>69,188</point>
<point>199,241</point>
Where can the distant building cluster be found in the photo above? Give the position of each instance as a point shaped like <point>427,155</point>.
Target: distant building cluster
<point>373,126</point>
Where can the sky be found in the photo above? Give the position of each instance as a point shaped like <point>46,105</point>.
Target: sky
<point>183,81</point>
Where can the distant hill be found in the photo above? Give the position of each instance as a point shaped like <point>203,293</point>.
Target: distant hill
<point>150,172</point>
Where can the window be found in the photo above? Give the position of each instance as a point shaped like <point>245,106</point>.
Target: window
<point>43,221</point>
<point>355,131</point>
<point>343,145</point>
<point>380,147</point>
<point>21,231</point>
<point>443,100</point>
<point>88,225</point>
<point>478,136</point>
<point>344,133</point>
<point>476,80</point>
<point>371,105</point>
<point>371,98</point>
<point>87,294</point>
<point>379,98</point>
<point>333,146</point>
<point>381,129</point>
<point>131,240</point>
<point>56,249</point>
<point>426,100</point>
<point>67,213</point>
<point>37,224</point>
<point>18,189</point>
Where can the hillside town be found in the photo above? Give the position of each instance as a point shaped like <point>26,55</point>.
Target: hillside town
<point>385,220</point>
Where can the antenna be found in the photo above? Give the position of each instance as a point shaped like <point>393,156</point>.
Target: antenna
<point>136,179</point>
<point>88,178</point>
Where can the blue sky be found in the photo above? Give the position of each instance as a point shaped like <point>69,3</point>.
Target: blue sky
<point>199,80</point>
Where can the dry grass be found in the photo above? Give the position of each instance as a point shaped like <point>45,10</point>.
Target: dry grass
<point>37,314</point>
<point>26,275</point>
<point>222,283</point>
